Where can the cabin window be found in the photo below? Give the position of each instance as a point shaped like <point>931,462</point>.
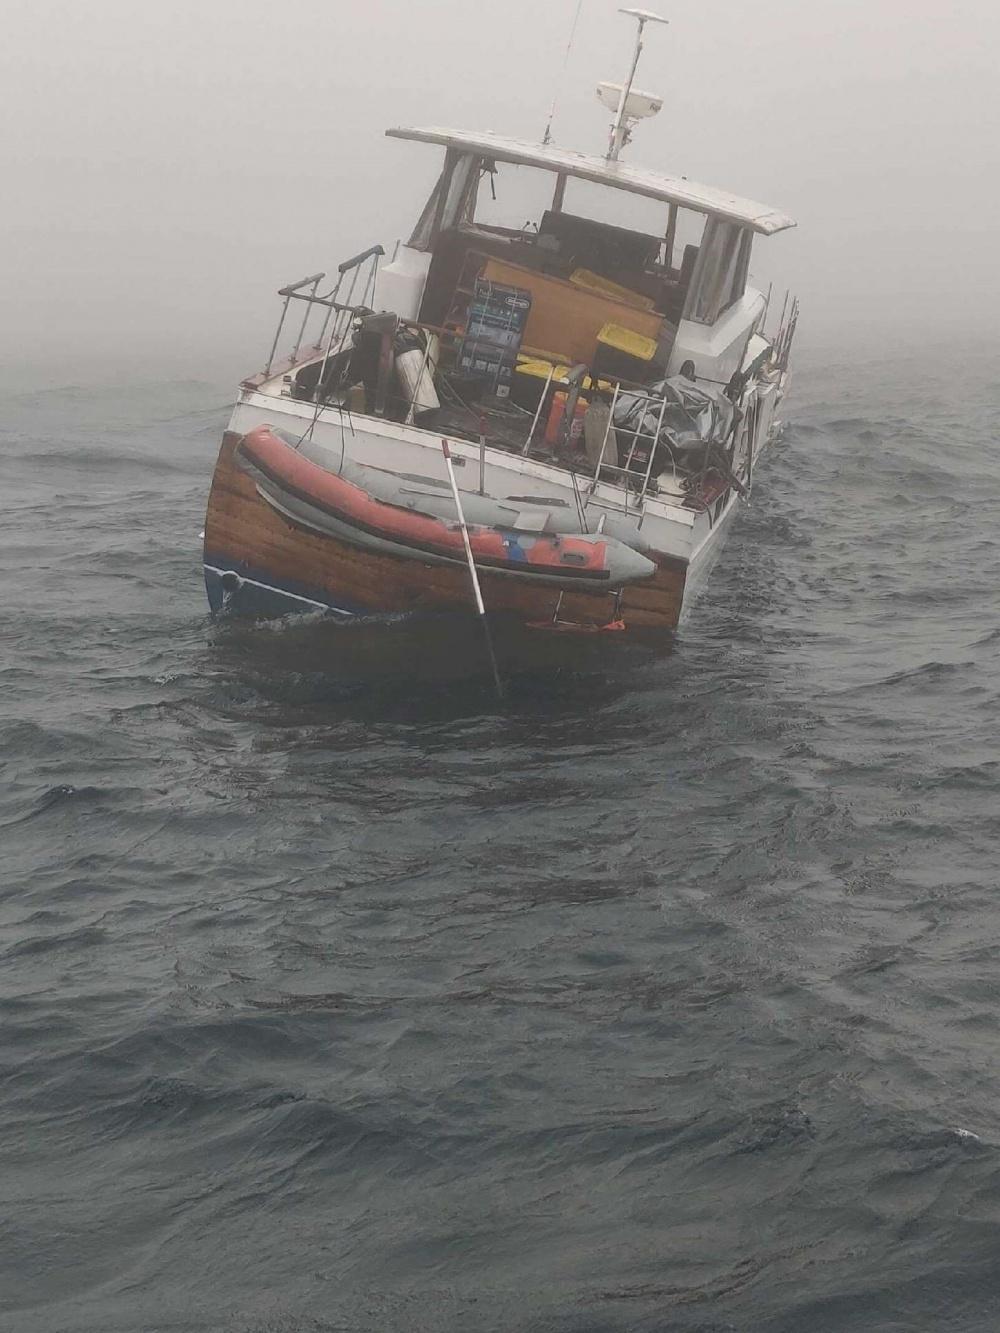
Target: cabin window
<point>513,198</point>
<point>452,201</point>
<point>720,275</point>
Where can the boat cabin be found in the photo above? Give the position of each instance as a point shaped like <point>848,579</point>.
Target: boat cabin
<point>509,334</point>
<point>585,274</point>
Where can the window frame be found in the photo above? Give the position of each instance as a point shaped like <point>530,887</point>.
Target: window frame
<point>720,275</point>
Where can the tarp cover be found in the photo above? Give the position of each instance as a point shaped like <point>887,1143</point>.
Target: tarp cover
<point>695,415</point>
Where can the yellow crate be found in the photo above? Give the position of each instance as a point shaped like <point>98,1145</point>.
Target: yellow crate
<point>538,369</point>
<point>626,340</point>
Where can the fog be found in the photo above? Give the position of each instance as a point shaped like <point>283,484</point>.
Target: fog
<point>168,166</point>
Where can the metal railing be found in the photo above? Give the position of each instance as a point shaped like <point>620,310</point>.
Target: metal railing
<point>290,292</point>
<point>336,311</point>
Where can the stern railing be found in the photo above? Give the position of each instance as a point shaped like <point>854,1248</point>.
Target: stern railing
<point>338,313</point>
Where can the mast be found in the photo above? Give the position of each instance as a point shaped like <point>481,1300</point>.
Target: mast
<point>619,130</point>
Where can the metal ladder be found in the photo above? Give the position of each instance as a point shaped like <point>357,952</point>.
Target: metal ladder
<point>648,438</point>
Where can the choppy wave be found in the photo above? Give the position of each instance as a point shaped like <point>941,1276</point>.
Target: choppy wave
<point>336,995</point>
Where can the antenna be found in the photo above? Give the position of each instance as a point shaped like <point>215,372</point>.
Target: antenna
<point>558,88</point>
<point>630,106</point>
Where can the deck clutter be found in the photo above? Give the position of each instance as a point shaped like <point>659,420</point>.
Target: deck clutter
<point>603,391</point>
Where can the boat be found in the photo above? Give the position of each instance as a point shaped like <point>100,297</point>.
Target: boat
<point>559,419</point>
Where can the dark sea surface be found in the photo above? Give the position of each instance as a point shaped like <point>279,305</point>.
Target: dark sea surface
<point>334,996</point>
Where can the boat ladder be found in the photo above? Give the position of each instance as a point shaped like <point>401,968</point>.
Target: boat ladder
<point>634,480</point>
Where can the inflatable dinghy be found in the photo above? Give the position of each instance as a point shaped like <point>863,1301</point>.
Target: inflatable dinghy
<point>379,511</point>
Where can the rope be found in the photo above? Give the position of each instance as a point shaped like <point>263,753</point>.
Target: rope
<point>547,137</point>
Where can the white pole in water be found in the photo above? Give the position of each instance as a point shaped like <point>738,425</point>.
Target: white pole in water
<point>473,574</point>
<point>618,130</point>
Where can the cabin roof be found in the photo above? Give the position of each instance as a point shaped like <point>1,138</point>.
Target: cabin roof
<point>617,175</point>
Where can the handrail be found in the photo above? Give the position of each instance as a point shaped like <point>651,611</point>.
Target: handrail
<point>288,292</point>
<point>294,287</point>
<point>328,301</point>
<point>347,308</point>
<point>305,315</point>
<point>348,264</point>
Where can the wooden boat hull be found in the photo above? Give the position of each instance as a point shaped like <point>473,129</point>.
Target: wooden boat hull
<point>260,562</point>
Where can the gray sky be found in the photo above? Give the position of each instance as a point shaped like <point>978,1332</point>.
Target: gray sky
<point>168,165</point>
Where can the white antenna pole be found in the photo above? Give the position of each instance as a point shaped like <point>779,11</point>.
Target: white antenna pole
<point>619,130</point>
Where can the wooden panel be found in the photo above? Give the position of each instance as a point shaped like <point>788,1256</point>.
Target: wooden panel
<point>565,318</point>
<point>243,531</point>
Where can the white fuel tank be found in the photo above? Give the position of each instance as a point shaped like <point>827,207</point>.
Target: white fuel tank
<point>401,283</point>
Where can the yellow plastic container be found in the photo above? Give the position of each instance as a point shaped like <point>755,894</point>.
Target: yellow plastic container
<point>538,369</point>
<point>625,340</point>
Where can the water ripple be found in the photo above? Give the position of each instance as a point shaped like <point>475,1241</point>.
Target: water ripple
<point>337,996</point>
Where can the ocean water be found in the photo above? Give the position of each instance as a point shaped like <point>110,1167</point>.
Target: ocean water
<point>335,996</point>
